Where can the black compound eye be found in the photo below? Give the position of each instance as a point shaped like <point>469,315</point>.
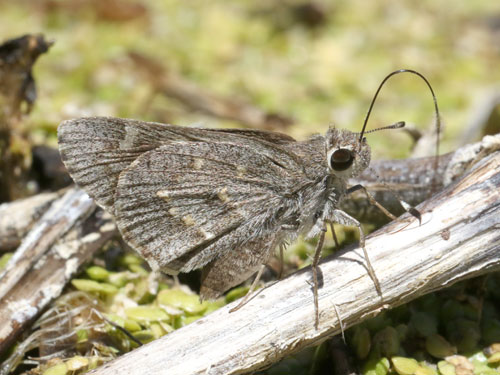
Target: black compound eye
<point>341,159</point>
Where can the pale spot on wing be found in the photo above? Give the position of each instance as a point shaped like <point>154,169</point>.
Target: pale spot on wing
<point>163,194</point>
<point>131,135</point>
<point>241,170</point>
<point>197,163</point>
<point>206,234</point>
<point>173,211</point>
<point>223,196</point>
<point>188,220</point>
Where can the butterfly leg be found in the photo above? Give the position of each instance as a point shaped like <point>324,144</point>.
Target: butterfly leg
<point>412,210</point>
<point>372,200</point>
<point>332,228</point>
<point>314,266</point>
<point>280,274</point>
<point>244,300</point>
<point>341,217</point>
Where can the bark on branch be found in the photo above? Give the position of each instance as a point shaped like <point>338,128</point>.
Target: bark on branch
<point>17,218</point>
<point>64,230</point>
<point>66,237</point>
<point>459,238</point>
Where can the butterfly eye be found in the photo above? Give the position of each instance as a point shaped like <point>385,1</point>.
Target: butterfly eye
<point>341,159</point>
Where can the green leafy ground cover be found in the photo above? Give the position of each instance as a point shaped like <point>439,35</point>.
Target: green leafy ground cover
<point>320,75</point>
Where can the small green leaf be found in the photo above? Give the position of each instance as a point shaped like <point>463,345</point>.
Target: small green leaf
<point>94,287</point>
<point>405,366</point>
<point>59,369</point>
<point>146,314</point>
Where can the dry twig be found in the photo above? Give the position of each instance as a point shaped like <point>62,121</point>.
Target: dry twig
<point>459,238</point>
<point>51,253</point>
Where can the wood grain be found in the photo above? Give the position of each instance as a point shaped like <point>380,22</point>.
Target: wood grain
<point>459,238</point>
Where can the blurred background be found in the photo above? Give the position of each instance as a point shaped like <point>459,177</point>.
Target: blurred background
<point>309,65</point>
<point>294,66</point>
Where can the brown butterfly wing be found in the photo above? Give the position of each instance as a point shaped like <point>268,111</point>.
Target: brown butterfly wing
<point>96,150</point>
<point>184,203</point>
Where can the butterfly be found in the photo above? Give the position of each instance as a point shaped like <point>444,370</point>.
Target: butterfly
<point>217,199</point>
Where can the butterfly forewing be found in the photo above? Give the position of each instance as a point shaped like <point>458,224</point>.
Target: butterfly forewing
<point>96,150</point>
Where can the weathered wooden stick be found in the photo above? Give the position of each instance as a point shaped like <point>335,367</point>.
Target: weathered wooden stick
<point>407,177</point>
<point>74,205</point>
<point>65,238</point>
<point>412,179</point>
<point>459,238</point>
<point>17,218</point>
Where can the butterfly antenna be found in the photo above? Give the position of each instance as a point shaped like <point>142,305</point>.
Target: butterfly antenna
<point>397,125</point>
<point>436,109</point>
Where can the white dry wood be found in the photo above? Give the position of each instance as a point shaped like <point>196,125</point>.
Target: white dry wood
<point>46,278</point>
<point>61,216</point>
<point>16,218</point>
<point>459,238</point>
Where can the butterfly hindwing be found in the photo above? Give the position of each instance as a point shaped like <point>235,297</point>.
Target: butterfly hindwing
<point>236,266</point>
<point>183,204</point>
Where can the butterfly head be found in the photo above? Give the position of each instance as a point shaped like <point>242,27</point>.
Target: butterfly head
<point>346,156</point>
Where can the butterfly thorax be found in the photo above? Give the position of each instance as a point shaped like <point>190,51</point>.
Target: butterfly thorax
<point>329,161</point>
